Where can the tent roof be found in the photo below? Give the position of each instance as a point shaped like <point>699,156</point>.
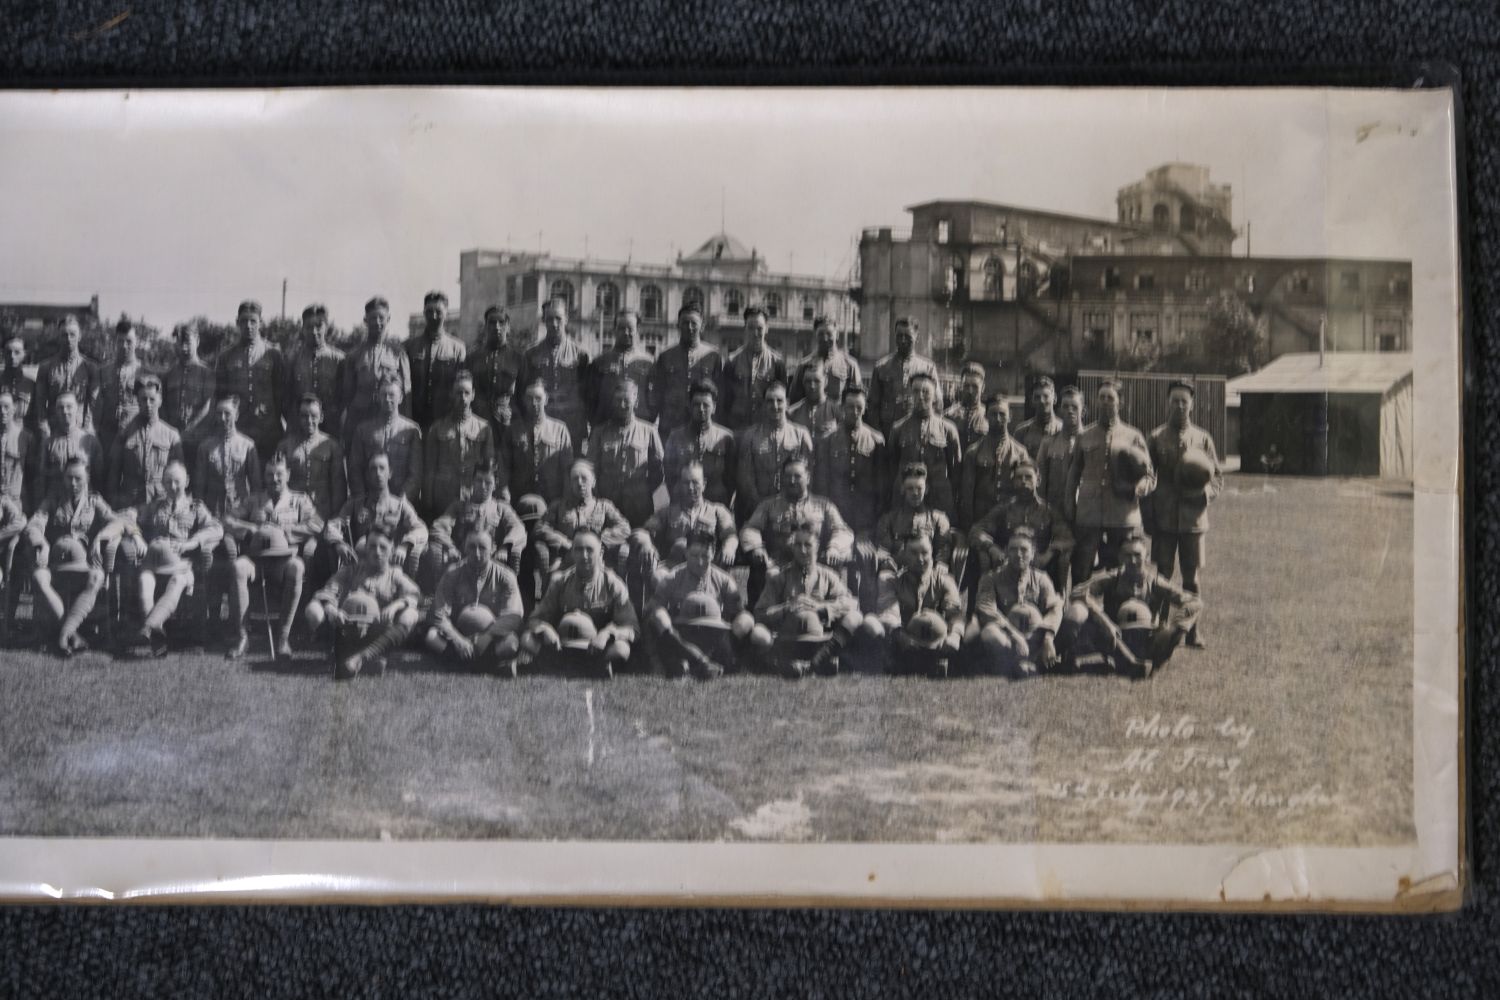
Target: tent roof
<point>1339,372</point>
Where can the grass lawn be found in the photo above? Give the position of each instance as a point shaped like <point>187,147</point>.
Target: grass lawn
<point>1308,591</point>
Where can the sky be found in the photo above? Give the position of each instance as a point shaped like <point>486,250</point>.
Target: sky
<point>175,204</point>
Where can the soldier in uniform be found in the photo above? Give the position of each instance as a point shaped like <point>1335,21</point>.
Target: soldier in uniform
<point>18,456</point>
<point>987,465</point>
<point>912,515</point>
<point>481,511</point>
<point>693,612</point>
<point>665,533</point>
<point>1182,452</point>
<point>927,437</point>
<point>116,404</point>
<point>314,459</point>
<point>1052,542</point>
<point>1102,497</point>
<point>764,450</point>
<point>391,434</point>
<point>840,370</point>
<point>562,366</point>
<point>12,526</point>
<point>701,440</point>
<point>476,610</point>
<point>536,452</point>
<point>228,466</point>
<point>681,367</point>
<point>849,467</point>
<point>766,537</point>
<point>628,458</point>
<point>623,362</point>
<point>922,614</point>
<point>1054,456</point>
<point>434,358</point>
<point>748,371</point>
<point>378,507</point>
<point>890,399</point>
<point>584,623</point>
<point>456,445</point>
<point>580,508</point>
<point>253,371</point>
<point>1044,420</point>
<point>815,410</point>
<point>1017,613</point>
<point>377,360</point>
<point>968,411</point>
<point>188,392</point>
<point>138,459</point>
<point>68,441</point>
<point>66,372</point>
<point>14,381</point>
<point>316,367</point>
<point>496,367</point>
<point>805,616</point>
<point>393,593</point>
<point>73,526</point>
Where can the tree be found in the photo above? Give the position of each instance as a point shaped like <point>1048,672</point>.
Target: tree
<point>1233,341</point>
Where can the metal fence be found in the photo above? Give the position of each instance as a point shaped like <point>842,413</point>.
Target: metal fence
<point>1145,400</point>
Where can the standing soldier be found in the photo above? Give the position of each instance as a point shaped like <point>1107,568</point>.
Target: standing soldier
<point>927,437</point>
<point>623,362</point>
<point>227,465</point>
<point>988,463</point>
<point>816,411</point>
<point>316,367</point>
<point>497,369</point>
<point>377,360</point>
<point>391,434</point>
<point>536,452</point>
<point>252,370</point>
<point>1054,456</point>
<point>764,450</point>
<point>683,366</point>
<point>116,404</point>
<point>627,455</point>
<point>1044,421</point>
<point>456,445</point>
<point>840,369</point>
<point>68,441</point>
<point>705,442</point>
<point>138,459</point>
<point>561,365</point>
<point>314,459</point>
<point>434,358</point>
<point>14,381</point>
<point>1110,472</point>
<point>18,456</point>
<point>188,392</point>
<point>749,371</point>
<point>68,371</point>
<point>1188,479</point>
<point>73,536</point>
<point>968,412</point>
<point>890,398</point>
<point>850,466</point>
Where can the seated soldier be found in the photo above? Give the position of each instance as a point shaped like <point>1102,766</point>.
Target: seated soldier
<point>12,525</point>
<point>479,510</point>
<point>766,538</point>
<point>73,551</point>
<point>584,624</point>
<point>1049,532</point>
<point>370,605</point>
<point>912,515</point>
<point>578,509</point>
<point>271,527</point>
<point>694,611</point>
<point>667,531</point>
<point>1017,613</point>
<point>536,568</point>
<point>158,533</point>
<point>627,456</point>
<point>476,611</point>
<point>922,613</point>
<point>805,615</point>
<point>1129,619</point>
<point>378,506</point>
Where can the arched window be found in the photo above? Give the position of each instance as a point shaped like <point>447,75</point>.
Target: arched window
<point>734,302</point>
<point>993,274</point>
<point>1187,219</point>
<point>651,307</point>
<point>1161,217</point>
<point>773,305</point>
<point>692,295</point>
<point>607,299</point>
<point>562,289</point>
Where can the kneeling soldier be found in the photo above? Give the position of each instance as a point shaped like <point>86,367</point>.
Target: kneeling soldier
<point>1129,618</point>
<point>695,608</point>
<point>584,623</point>
<point>482,511</point>
<point>74,536</point>
<point>476,613</point>
<point>1017,612</point>
<point>805,614</point>
<point>382,614</point>
<point>922,612</point>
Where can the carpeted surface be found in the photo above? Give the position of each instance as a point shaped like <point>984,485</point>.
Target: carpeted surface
<point>425,951</point>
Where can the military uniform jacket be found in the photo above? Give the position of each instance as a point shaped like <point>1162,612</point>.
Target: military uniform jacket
<point>21,389</point>
<point>258,377</point>
<point>676,522</point>
<point>763,450</point>
<point>398,438</point>
<point>770,527</point>
<point>901,522</point>
<point>821,419</point>
<point>386,584</point>
<point>187,393</point>
<point>1110,588</point>
<point>137,460</point>
<point>454,448</point>
<point>535,459</point>
<point>839,371</point>
<point>18,471</point>
<point>995,527</point>
<point>824,586</point>
<point>316,467</point>
<point>932,441</point>
<point>178,522</point>
<point>677,584</point>
<point>1004,587</point>
<point>628,459</point>
<point>434,361</point>
<point>1054,457</point>
<point>565,517</point>
<point>608,371</point>
<point>1098,505</point>
<point>494,517</point>
<point>60,517</point>
<point>227,471</point>
<point>491,585</point>
<point>316,369</point>
<point>986,476</point>
<point>292,512</point>
<point>364,369</point>
<point>604,599</point>
<point>58,375</point>
<point>1031,433</point>
<point>745,378</point>
<point>55,453</point>
<point>971,421</point>
<point>393,512</point>
<point>1174,508</point>
<point>495,371</point>
<point>677,368</point>
<point>116,405</point>
<point>562,368</point>
<point>889,397</point>
<point>850,470</point>
<point>910,593</point>
<point>718,451</point>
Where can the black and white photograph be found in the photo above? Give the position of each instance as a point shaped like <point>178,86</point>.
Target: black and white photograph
<point>847,495</point>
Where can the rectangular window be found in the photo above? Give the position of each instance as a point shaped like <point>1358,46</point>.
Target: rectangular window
<point>1096,326</point>
<point>942,231</point>
<point>807,309</point>
<point>1145,281</point>
<point>1195,281</point>
<point>510,289</point>
<point>1401,285</point>
<point>1349,281</point>
<point>1143,327</point>
<point>528,288</point>
<point>1301,283</point>
<point>1390,332</point>
<point>1192,322</point>
<point>1111,277</point>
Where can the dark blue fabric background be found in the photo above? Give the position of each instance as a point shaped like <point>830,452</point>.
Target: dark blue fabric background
<point>464,950</point>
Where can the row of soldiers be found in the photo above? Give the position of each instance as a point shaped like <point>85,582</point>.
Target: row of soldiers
<point>523,491</point>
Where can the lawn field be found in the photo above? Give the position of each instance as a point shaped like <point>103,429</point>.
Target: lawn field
<point>1294,726</point>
